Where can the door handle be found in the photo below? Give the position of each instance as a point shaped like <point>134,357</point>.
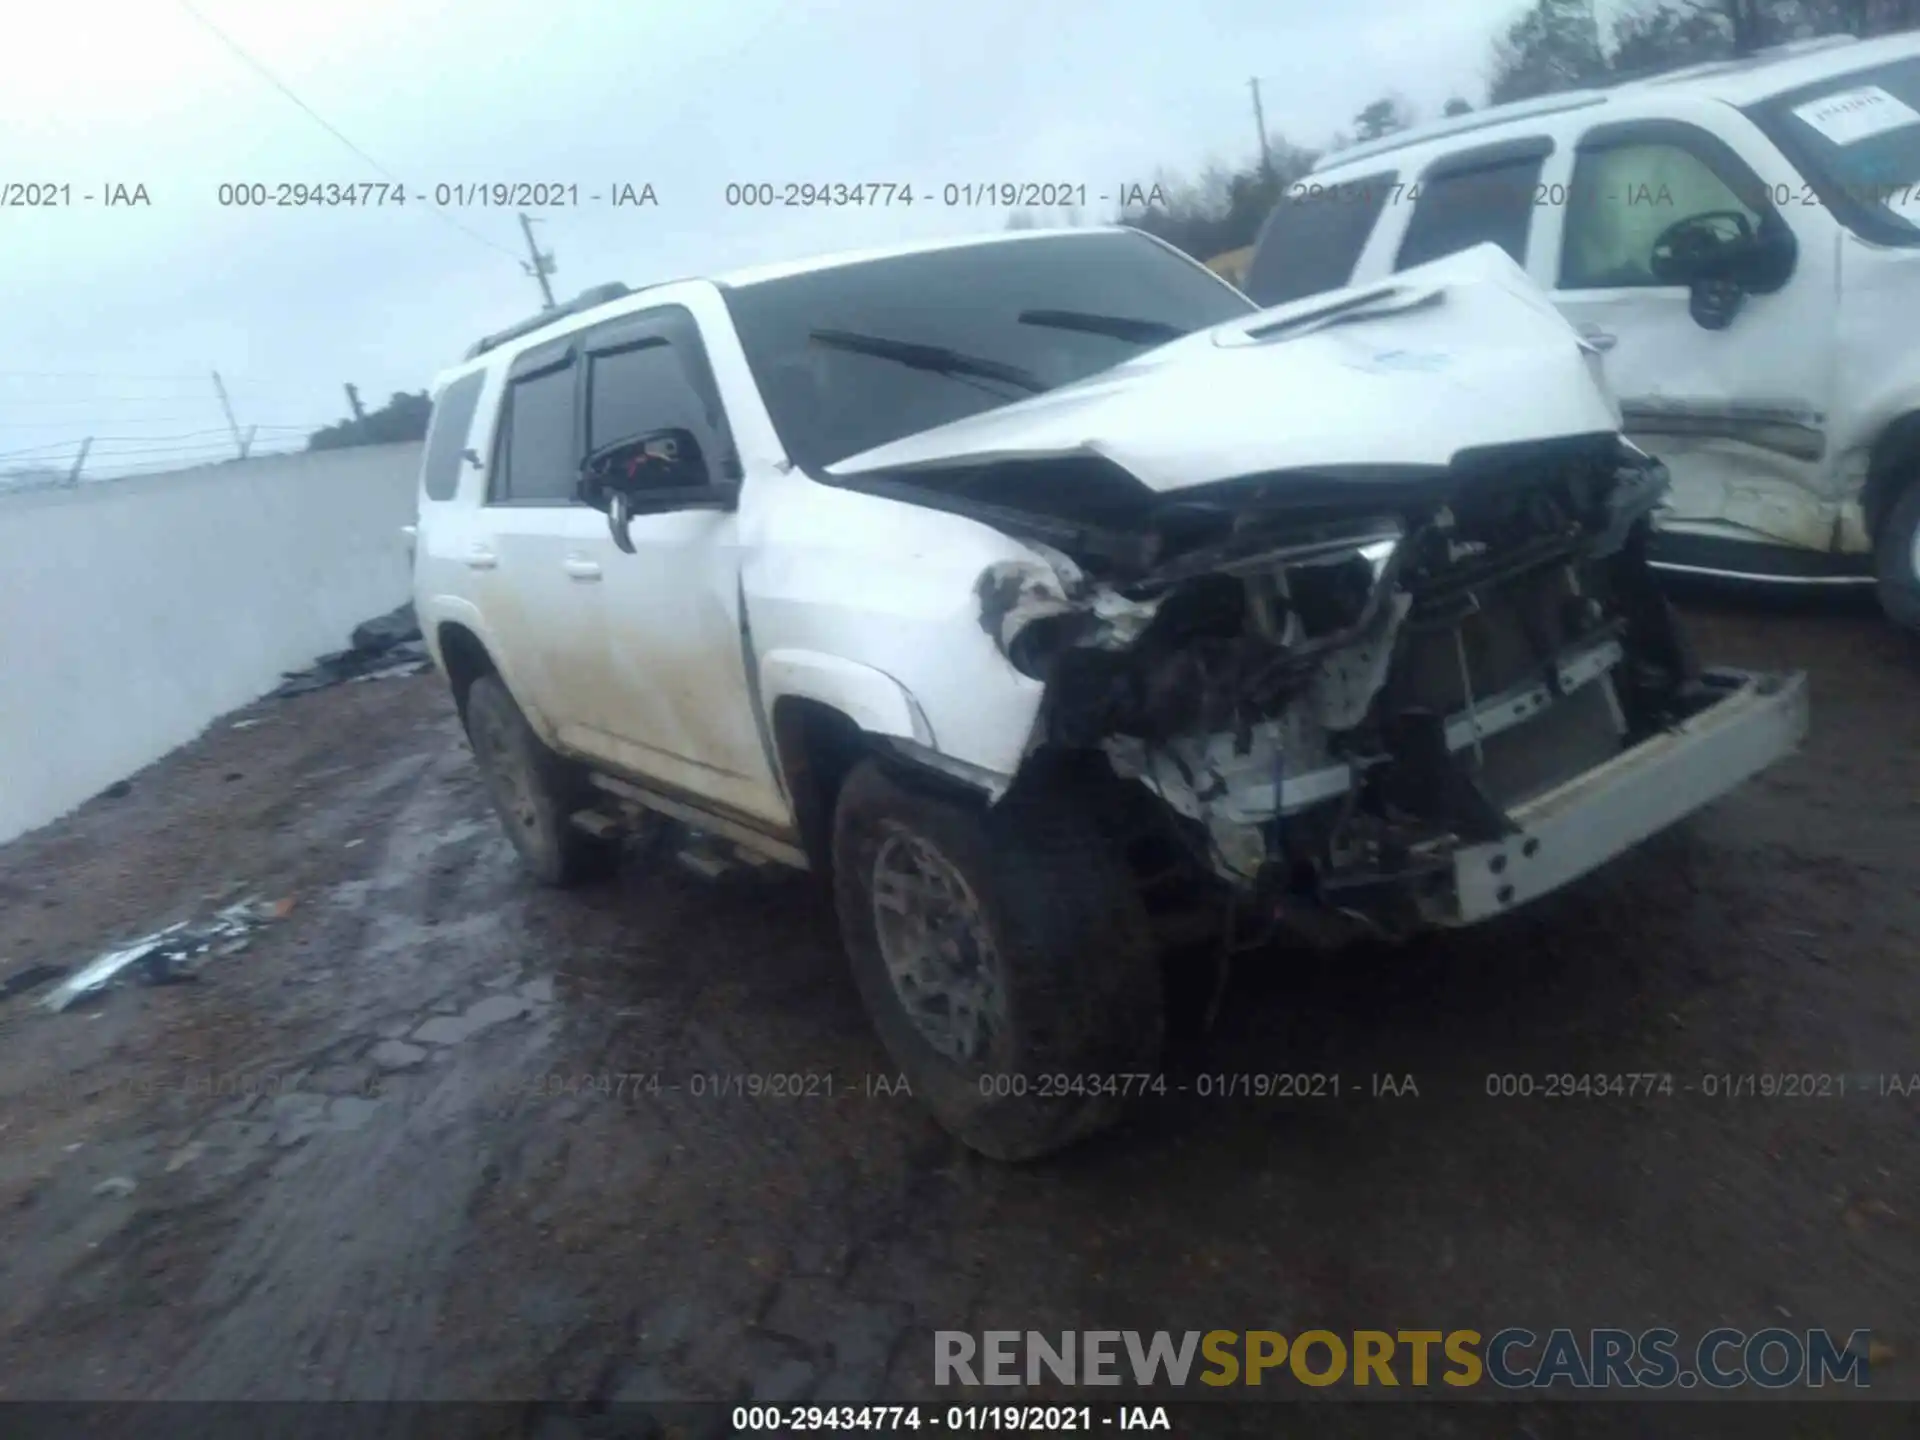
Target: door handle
<point>481,558</point>
<point>1598,339</point>
<point>581,568</point>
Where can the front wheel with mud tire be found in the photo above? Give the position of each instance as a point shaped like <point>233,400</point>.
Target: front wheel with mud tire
<point>534,791</point>
<point>1003,956</point>
<point>1896,559</point>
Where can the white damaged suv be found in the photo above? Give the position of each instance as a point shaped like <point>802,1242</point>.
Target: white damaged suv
<point>1054,601</point>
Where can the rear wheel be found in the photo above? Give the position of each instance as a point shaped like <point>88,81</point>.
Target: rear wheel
<point>534,791</point>
<point>1003,956</point>
<point>1896,559</point>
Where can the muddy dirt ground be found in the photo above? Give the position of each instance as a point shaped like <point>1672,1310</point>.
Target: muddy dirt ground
<point>363,1163</point>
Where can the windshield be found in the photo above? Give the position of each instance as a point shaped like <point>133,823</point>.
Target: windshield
<point>1856,139</point>
<point>858,355</point>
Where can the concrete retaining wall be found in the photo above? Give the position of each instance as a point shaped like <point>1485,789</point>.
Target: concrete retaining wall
<point>132,612</point>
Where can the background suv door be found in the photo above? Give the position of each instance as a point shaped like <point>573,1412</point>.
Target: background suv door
<point>540,553</point>
<point>1739,415</point>
<point>678,705</point>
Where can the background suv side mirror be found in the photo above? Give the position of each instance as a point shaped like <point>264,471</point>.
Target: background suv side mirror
<point>1721,258</point>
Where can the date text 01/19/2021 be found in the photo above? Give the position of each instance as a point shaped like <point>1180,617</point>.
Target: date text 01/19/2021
<point>972,194</point>
<point>465,194</point>
<point>1717,1085</point>
<point>975,1419</point>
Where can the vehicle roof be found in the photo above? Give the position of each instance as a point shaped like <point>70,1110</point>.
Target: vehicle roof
<point>1743,81</point>
<point>644,296</point>
<point>780,270</point>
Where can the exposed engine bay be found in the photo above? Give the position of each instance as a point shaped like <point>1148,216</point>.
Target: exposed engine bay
<point>1333,687</point>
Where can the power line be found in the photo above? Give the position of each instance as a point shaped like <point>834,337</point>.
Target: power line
<point>160,444</point>
<point>323,123</point>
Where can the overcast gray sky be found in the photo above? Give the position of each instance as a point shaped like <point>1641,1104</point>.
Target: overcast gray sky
<point>115,317</point>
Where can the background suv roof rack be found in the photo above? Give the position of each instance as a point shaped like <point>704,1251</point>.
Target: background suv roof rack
<point>585,300</point>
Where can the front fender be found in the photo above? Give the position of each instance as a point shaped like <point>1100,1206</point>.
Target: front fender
<point>872,699</point>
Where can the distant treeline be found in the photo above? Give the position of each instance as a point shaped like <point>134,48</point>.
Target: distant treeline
<point>404,417</point>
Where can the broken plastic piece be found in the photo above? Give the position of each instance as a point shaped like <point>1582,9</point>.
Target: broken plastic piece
<point>170,955</point>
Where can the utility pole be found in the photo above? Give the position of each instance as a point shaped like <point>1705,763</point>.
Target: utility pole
<point>73,475</point>
<point>1260,124</point>
<point>353,399</point>
<point>541,265</point>
<point>240,443</point>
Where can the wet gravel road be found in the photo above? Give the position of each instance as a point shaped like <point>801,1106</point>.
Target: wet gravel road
<point>441,1133</point>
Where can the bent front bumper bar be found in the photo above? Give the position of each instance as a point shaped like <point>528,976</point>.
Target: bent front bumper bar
<point>1577,827</point>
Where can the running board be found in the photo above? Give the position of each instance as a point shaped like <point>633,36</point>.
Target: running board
<point>745,836</point>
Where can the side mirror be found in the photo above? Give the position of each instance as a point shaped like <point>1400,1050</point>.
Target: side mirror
<point>652,474</point>
<point>1721,259</point>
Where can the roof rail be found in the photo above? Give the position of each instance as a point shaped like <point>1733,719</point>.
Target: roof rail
<point>586,300</point>
<point>1456,124</point>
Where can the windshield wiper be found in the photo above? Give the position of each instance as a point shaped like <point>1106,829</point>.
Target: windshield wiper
<point>935,358</point>
<point>1115,327</point>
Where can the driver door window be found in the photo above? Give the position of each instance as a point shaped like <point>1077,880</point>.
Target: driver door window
<point>647,376</point>
<point>1622,198</point>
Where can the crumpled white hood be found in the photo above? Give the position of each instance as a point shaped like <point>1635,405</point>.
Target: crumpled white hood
<point>1463,352</point>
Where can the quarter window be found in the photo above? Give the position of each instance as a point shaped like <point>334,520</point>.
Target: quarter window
<point>1471,204</point>
<point>447,435</point>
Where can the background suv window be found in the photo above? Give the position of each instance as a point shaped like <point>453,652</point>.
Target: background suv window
<point>1622,198</point>
<point>540,449</point>
<point>1312,241</point>
<point>1461,207</point>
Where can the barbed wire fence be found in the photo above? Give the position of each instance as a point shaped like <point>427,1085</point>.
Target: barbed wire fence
<point>119,426</point>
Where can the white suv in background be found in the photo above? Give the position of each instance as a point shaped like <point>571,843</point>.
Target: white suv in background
<point>1741,240</point>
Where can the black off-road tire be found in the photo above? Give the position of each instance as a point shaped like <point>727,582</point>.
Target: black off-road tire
<point>1893,559</point>
<point>534,791</point>
<point>1077,962</point>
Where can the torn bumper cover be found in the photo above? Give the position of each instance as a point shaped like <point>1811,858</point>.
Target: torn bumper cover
<point>1560,836</point>
<point>1346,800</point>
<point>1406,720</point>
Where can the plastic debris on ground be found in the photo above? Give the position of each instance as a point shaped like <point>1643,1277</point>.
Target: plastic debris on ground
<point>20,981</point>
<point>387,646</point>
<point>170,956</point>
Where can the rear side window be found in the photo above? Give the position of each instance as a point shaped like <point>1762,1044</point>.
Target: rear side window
<point>539,452</point>
<point>1314,237</point>
<point>1470,203</point>
<point>447,435</point>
